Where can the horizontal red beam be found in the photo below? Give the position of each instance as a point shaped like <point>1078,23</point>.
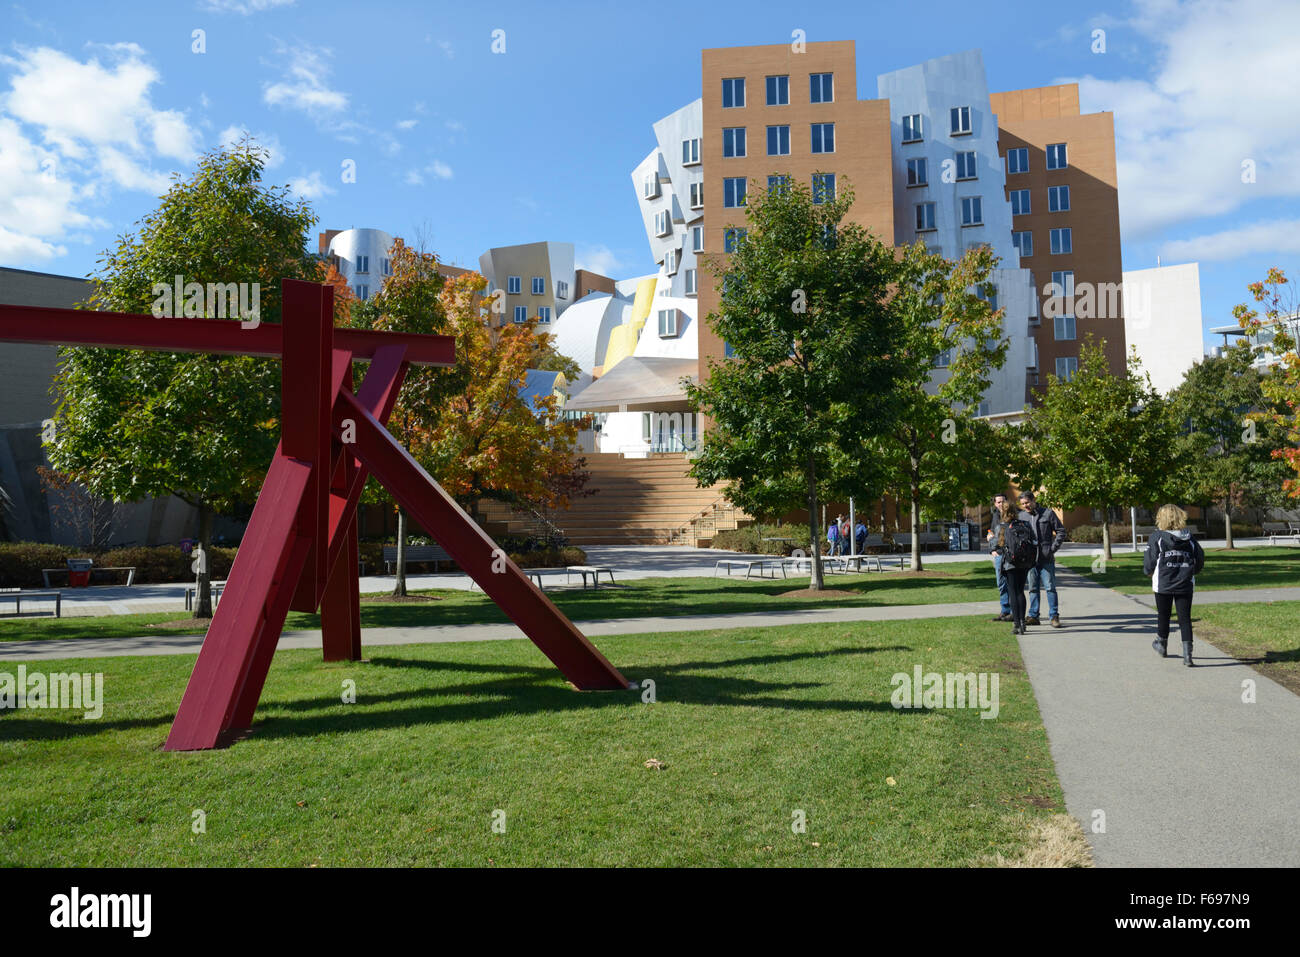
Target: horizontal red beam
<point>120,330</point>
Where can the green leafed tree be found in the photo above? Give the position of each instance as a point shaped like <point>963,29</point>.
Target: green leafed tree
<point>1101,440</point>
<point>1276,327</point>
<point>813,365</point>
<point>133,424</point>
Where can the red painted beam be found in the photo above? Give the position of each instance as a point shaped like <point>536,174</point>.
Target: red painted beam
<point>83,327</point>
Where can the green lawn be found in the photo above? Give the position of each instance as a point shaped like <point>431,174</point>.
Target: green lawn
<point>751,725</point>
<point>1275,567</point>
<point>964,581</point>
<point>1267,634</point>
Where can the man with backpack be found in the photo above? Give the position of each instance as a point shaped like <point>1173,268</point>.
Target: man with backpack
<point>1049,534</point>
<point>1013,544</point>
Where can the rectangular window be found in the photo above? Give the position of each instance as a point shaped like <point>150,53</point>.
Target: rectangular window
<point>690,151</point>
<point>362,291</point>
<point>1056,156</point>
<point>778,90</point>
<point>543,313</point>
<point>972,211</point>
<point>651,185</point>
<point>777,183</point>
<point>727,351</point>
<point>823,137</point>
<point>918,171</point>
<point>731,237</point>
<point>1065,327</point>
<point>733,141</point>
<point>823,187</point>
<point>733,191</point>
<point>387,266</point>
<point>697,238</point>
<point>1020,202</point>
<point>821,88</point>
<point>521,314</point>
<point>966,165</point>
<point>539,286</point>
<point>1062,284</point>
<point>1033,302</point>
<point>697,195</point>
<point>778,141</point>
<point>671,259</point>
<point>733,92</point>
<point>667,323</point>
<point>663,223</point>
<point>960,117</point>
<point>943,359</point>
<point>1018,160</point>
<point>363,264</point>
<point>646,422</point>
<point>1058,199</point>
<point>1062,241</point>
<point>1024,243</point>
<point>561,289</point>
<point>912,128</point>
<point>1066,367</point>
<point>691,290</point>
<point>514,285</point>
<point>924,216</point>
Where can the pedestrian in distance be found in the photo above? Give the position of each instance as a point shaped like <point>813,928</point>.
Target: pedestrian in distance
<point>860,537</point>
<point>1050,535</point>
<point>1173,560</point>
<point>1013,543</point>
<point>833,538</point>
<point>1004,613</point>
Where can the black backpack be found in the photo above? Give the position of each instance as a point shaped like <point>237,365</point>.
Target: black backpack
<point>1021,549</point>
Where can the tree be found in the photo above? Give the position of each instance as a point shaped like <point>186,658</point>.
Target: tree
<point>1230,434</point>
<point>938,454</point>
<point>813,366</point>
<point>1099,440</point>
<point>1277,330</point>
<point>133,424</point>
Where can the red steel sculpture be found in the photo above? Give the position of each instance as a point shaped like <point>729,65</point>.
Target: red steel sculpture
<point>300,548</point>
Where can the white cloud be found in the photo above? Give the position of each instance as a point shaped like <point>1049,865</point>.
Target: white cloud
<point>305,85</point>
<point>1274,237</point>
<point>244,7</point>
<point>446,47</point>
<point>406,124</point>
<point>438,169</point>
<point>268,141</point>
<point>598,259</point>
<point>1223,93</point>
<point>311,186</point>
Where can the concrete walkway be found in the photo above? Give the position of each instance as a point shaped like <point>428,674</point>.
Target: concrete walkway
<point>1186,774</point>
<point>1230,596</point>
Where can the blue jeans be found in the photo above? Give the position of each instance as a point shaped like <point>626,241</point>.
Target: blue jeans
<point>1043,573</point>
<point>1003,597</point>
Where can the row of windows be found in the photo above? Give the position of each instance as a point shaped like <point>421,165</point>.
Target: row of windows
<point>958,122</point>
<point>543,314</point>
<point>1018,159</point>
<point>821,89</point>
<point>1060,240</point>
<point>821,139</point>
<point>363,265</point>
<point>515,285</point>
<point>734,188</point>
<point>1058,200</point>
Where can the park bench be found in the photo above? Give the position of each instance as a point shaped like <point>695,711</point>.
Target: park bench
<point>1283,530</point>
<point>129,569</point>
<point>903,540</point>
<point>191,592</point>
<point>762,565</point>
<point>594,571</point>
<point>17,596</point>
<point>415,554</point>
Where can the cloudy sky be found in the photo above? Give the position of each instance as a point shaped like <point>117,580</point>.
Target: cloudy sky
<point>466,148</point>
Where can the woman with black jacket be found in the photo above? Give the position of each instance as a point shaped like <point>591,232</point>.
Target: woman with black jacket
<point>1173,559</point>
<point>1015,577</point>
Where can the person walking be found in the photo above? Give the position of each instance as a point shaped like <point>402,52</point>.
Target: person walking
<point>1049,533</point>
<point>1004,614</point>
<point>860,537</point>
<point>1013,544</point>
<point>833,537</point>
<point>1173,560</point>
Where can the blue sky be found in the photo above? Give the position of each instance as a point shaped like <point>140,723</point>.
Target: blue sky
<point>467,149</point>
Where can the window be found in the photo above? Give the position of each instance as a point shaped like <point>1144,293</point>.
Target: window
<point>1033,302</point>
<point>1056,156</point>
<point>918,171</point>
<point>691,289</point>
<point>777,183</point>
<point>663,223</point>
<point>561,289</point>
<point>924,216</point>
<point>690,151</point>
<point>828,240</point>
<point>912,128</point>
<point>727,350</point>
<point>670,261</point>
<point>667,323</point>
<point>733,191</point>
<point>778,91</point>
<point>1020,202</point>
<point>1062,284</point>
<point>823,187</point>
<point>651,186</point>
<point>733,141</point>
<point>697,238</point>
<point>972,211</point>
<point>821,88</point>
<point>697,195</point>
<point>387,266</point>
<point>1066,367</point>
<point>539,286</point>
<point>363,264</point>
<point>823,137</point>
<point>646,422</point>
<point>992,300</point>
<point>1024,243</point>
<point>1062,241</point>
<point>1018,160</point>
<point>1058,199</point>
<point>943,359</point>
<point>778,141</point>
<point>960,116</point>
<point>733,92</point>
<point>521,314</point>
<point>1065,327</point>
<point>362,291</point>
<point>543,313</point>
<point>514,285</point>
<point>966,165</point>
<point>731,237</point>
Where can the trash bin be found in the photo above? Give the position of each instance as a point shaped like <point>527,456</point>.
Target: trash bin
<point>79,572</point>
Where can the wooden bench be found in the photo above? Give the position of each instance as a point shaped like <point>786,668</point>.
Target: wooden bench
<point>17,598</point>
<point>1284,530</point>
<point>415,554</point>
<point>584,570</point>
<point>763,565</point>
<point>191,592</point>
<point>129,569</point>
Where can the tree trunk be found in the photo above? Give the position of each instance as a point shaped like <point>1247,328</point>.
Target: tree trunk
<point>1105,534</point>
<point>817,581</point>
<point>916,513</point>
<point>203,591</point>
<point>399,586</point>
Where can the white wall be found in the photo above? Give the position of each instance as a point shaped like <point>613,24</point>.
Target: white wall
<point>1162,320</point>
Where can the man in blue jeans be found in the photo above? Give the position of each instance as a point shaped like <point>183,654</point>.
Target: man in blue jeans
<point>1049,533</point>
<point>1004,597</point>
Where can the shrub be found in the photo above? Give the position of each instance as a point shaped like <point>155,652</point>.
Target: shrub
<point>21,562</point>
<point>750,539</point>
<point>549,557</point>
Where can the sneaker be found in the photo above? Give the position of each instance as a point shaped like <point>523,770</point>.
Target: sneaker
<point>1002,618</point>
<point>1032,621</point>
<point>1056,621</point>
<point>1161,648</point>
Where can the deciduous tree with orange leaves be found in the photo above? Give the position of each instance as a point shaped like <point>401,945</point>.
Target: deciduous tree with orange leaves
<point>1276,329</point>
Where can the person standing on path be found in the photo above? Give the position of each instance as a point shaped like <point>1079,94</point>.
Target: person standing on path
<point>1049,533</point>
<point>1011,531</point>
<point>1173,560</point>
<point>1004,614</point>
<point>833,537</point>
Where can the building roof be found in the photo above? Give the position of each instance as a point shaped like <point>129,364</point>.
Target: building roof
<point>637,384</point>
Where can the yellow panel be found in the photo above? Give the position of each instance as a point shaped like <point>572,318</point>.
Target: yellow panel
<point>645,295</point>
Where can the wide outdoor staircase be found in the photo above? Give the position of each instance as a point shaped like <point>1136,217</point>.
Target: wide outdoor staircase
<point>638,501</point>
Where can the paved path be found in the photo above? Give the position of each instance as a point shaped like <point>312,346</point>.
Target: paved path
<point>1185,772</point>
<point>1230,596</point>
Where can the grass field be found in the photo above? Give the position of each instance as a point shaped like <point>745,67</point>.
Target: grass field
<point>964,581</point>
<point>750,725</point>
<point>1264,567</point>
<point>1267,634</point>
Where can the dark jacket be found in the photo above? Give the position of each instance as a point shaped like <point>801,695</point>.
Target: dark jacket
<point>1048,532</point>
<point>1173,560</point>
